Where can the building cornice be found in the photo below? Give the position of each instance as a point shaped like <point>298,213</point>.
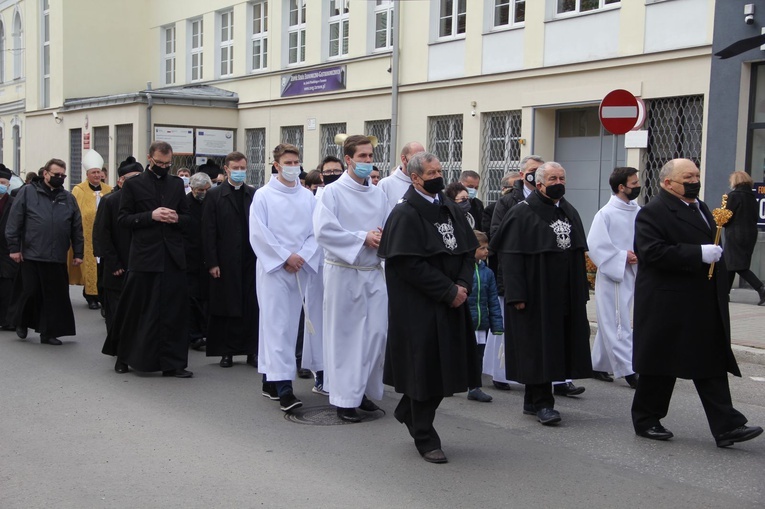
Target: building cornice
<point>13,107</point>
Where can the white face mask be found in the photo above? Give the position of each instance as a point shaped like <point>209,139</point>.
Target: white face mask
<point>291,173</point>
<point>185,181</point>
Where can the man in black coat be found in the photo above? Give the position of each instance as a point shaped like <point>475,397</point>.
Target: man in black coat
<point>520,190</point>
<point>472,180</point>
<point>197,277</point>
<point>111,243</point>
<point>150,325</point>
<point>541,245</point>
<point>8,268</point>
<point>682,324</point>
<point>429,253</point>
<point>233,326</point>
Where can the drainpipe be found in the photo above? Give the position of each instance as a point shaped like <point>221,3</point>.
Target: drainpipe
<point>149,106</point>
<point>394,87</point>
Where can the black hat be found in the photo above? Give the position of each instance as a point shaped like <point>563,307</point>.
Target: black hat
<point>129,165</point>
<point>5,173</point>
<point>212,169</point>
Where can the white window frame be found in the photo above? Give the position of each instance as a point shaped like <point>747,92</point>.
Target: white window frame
<point>458,10</point>
<point>2,51</point>
<point>225,49</point>
<point>168,54</point>
<point>196,49</point>
<point>297,30</point>
<point>577,4</point>
<point>258,18</point>
<point>383,8</point>
<point>512,7</point>
<point>45,54</point>
<point>18,46</point>
<point>338,20</point>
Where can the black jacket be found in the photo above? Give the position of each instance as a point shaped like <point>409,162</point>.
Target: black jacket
<point>504,204</point>
<point>8,268</point>
<point>741,230</point>
<point>141,195</point>
<point>111,242</point>
<point>43,224</point>
<point>192,236</point>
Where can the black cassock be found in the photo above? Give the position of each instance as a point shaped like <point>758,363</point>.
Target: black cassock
<point>233,325</point>
<point>541,250</point>
<point>741,230</point>
<point>8,268</point>
<point>111,243</point>
<point>196,272</point>
<point>150,325</point>
<point>431,349</point>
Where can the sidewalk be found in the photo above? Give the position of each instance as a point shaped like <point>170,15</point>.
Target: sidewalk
<point>747,324</point>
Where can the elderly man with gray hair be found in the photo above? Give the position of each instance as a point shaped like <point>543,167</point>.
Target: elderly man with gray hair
<point>541,246</point>
<point>196,272</point>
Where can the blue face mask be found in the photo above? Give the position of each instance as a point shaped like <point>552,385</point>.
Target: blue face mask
<point>472,192</point>
<point>3,189</point>
<point>363,170</point>
<point>238,176</point>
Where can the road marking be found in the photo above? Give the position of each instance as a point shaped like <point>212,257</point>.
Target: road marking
<point>758,378</point>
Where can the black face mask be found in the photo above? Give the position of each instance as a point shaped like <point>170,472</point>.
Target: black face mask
<point>691,190</point>
<point>555,191</point>
<point>433,186</point>
<point>465,206</point>
<point>530,178</point>
<point>56,182</point>
<point>633,193</point>
<point>200,196</point>
<point>328,179</point>
<point>159,171</point>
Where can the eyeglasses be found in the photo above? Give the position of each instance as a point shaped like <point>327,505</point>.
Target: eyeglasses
<point>331,172</point>
<point>61,175</point>
<point>162,164</point>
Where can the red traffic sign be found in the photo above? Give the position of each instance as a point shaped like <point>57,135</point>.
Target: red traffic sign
<point>619,111</point>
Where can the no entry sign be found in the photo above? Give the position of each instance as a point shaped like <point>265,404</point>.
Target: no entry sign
<point>619,111</point>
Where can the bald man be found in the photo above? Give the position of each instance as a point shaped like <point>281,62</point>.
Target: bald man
<point>397,183</point>
<point>682,325</point>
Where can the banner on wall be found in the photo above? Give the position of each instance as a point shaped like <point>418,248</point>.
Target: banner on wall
<point>759,194</point>
<point>328,79</point>
<point>180,138</point>
<point>215,142</point>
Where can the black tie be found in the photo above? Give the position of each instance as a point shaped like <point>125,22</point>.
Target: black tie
<point>695,208</point>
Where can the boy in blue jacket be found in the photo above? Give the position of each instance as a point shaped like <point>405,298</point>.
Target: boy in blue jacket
<point>484,308</point>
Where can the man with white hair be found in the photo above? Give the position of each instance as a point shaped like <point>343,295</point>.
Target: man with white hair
<point>88,194</point>
<point>397,183</point>
<point>541,245</point>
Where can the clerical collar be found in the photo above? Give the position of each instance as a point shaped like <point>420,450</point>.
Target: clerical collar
<point>94,188</point>
<point>235,187</point>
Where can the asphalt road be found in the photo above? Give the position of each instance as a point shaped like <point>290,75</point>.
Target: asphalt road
<point>73,433</point>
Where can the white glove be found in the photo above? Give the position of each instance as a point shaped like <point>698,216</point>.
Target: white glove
<point>710,253</point>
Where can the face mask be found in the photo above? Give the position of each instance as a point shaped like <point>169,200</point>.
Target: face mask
<point>633,193</point>
<point>200,196</point>
<point>472,192</point>
<point>328,179</point>
<point>3,189</point>
<point>555,191</point>
<point>433,186</point>
<point>159,171</point>
<point>238,176</point>
<point>691,190</point>
<point>363,170</point>
<point>291,173</point>
<point>464,206</point>
<point>56,182</point>
<point>185,181</point>
<point>531,178</point>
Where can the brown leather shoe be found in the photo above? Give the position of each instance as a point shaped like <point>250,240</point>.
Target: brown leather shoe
<point>435,456</point>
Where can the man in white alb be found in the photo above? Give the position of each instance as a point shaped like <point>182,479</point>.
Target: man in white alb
<point>397,183</point>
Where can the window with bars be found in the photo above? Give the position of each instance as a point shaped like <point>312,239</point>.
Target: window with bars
<point>226,44</point>
<point>509,12</point>
<point>101,142</point>
<point>259,37</point>
<point>383,13</point>
<point>45,56</point>
<point>169,54</point>
<point>255,151</point>
<point>123,143</point>
<point>500,150</point>
<point>328,145</point>
<point>293,134</point>
<point>338,28</point>
<point>75,157</point>
<point>452,18</point>
<point>577,6</point>
<point>674,127</point>
<point>196,51</point>
<point>296,32</point>
<point>380,129</point>
<point>445,141</point>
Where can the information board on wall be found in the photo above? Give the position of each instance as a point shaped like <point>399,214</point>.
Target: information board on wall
<point>313,82</point>
<point>214,142</point>
<point>759,194</point>
<point>180,138</point>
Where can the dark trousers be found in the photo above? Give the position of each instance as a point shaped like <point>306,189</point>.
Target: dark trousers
<point>539,396</point>
<point>6,294</point>
<point>747,275</point>
<point>651,402</point>
<point>41,299</point>
<point>418,417</point>
<point>479,352</point>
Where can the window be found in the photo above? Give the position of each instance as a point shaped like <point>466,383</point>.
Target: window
<point>293,135</point>
<point>328,145</point>
<point>123,144</point>
<point>197,49</point>
<point>260,35</point>
<point>101,142</point>
<point>338,28</point>
<point>255,151</point>
<point>383,24</point>
<point>576,6</point>
<point>45,57</point>
<point>445,140</point>
<point>296,32</point>
<point>452,17</point>
<point>226,44</point>
<point>18,47</point>
<point>2,138</point>
<point>74,171</point>
<point>380,129</point>
<point>169,54</point>
<point>500,151</point>
<point>16,133</point>
<point>509,12</point>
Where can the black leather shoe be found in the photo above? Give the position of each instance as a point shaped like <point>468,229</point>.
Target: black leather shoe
<point>121,367</point>
<point>304,373</point>
<point>602,376</point>
<point>632,380</point>
<point>501,386</point>
<point>226,361</point>
<point>567,389</point>
<point>252,360</point>
<point>94,305</point>
<point>348,414</point>
<point>435,456</point>
<point>21,332</point>
<point>657,432</point>
<point>548,416</point>
<point>198,344</point>
<point>761,292</point>
<point>529,410</point>
<point>49,340</point>
<point>178,373</point>
<point>368,406</point>
<point>740,434</point>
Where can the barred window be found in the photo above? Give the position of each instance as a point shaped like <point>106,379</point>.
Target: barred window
<point>328,145</point>
<point>101,142</point>
<point>75,157</point>
<point>445,141</point>
<point>293,134</point>
<point>380,129</point>
<point>255,151</point>
<point>500,151</point>
<point>123,142</point>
